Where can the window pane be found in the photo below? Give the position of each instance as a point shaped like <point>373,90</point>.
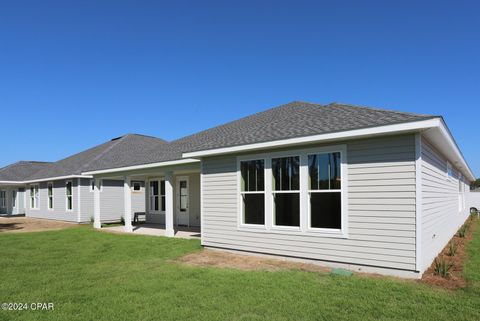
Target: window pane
<point>287,209</point>
<point>286,173</point>
<point>313,172</point>
<point>162,187</point>
<point>326,210</point>
<point>254,208</point>
<point>252,173</point>
<point>324,171</point>
<point>163,203</point>
<point>154,188</point>
<point>335,177</point>
<point>69,202</point>
<point>183,196</point>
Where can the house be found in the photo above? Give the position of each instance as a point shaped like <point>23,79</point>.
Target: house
<point>60,191</point>
<point>361,188</point>
<point>12,190</point>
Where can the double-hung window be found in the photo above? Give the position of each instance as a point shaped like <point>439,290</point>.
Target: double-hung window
<point>324,190</point>
<point>3,199</point>
<point>157,196</point>
<point>252,191</point>
<point>14,198</point>
<point>286,191</point>
<point>69,195</point>
<point>50,195</point>
<point>34,196</point>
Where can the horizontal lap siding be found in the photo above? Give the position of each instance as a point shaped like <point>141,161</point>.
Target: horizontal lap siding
<point>381,214</point>
<point>86,201</point>
<point>59,211</point>
<point>440,205</point>
<point>111,201</point>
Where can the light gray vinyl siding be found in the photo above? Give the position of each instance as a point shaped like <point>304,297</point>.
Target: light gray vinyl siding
<point>59,211</point>
<point>138,198</point>
<point>111,201</point>
<point>441,214</point>
<point>86,201</point>
<point>381,217</point>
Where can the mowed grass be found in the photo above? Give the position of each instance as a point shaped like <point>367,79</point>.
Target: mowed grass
<point>91,275</point>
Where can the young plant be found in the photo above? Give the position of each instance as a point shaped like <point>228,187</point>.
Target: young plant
<point>452,248</point>
<point>442,267</point>
<point>462,232</point>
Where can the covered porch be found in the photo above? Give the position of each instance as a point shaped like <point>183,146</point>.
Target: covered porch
<point>165,199</point>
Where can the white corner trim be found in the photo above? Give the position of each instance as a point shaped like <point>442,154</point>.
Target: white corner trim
<point>144,166</point>
<point>365,132</point>
<point>79,187</point>
<point>418,202</point>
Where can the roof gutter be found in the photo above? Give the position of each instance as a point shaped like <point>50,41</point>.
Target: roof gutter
<point>436,123</point>
<point>44,179</point>
<point>144,166</point>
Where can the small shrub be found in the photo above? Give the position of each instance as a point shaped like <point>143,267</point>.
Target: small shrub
<point>442,267</point>
<point>462,232</point>
<point>452,248</point>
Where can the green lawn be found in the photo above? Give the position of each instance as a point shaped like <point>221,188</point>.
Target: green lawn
<point>91,275</point>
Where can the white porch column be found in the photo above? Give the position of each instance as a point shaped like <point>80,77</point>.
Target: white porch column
<point>96,205</point>
<point>169,231</point>
<point>127,196</point>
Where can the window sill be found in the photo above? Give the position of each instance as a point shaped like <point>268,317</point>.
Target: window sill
<point>295,231</point>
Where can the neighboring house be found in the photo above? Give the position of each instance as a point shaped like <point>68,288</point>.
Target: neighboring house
<point>12,191</point>
<point>60,191</point>
<point>362,188</point>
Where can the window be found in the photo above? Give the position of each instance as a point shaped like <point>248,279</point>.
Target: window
<point>252,191</point>
<point>92,185</point>
<point>50,195</point>
<point>286,191</point>
<point>183,196</point>
<point>324,190</point>
<point>34,196</point>
<point>3,199</point>
<point>449,170</point>
<point>157,196</point>
<point>14,199</point>
<point>136,186</point>
<point>69,195</point>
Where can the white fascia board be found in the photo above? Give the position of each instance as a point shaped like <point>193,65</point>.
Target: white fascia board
<point>11,183</point>
<point>55,178</point>
<point>356,133</point>
<point>457,154</point>
<point>144,166</point>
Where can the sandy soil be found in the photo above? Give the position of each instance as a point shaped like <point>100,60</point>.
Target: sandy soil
<point>27,224</point>
<point>212,258</point>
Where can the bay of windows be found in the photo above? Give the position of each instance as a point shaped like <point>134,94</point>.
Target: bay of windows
<point>305,192</point>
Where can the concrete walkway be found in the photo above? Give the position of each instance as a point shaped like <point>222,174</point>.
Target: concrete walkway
<point>158,230</point>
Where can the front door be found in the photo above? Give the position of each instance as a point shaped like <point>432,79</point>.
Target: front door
<point>182,200</point>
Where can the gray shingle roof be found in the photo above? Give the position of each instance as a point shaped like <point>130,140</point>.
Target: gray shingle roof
<point>127,148</point>
<point>22,170</point>
<point>296,119</point>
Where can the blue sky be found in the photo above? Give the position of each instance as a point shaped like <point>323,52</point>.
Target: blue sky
<point>74,74</point>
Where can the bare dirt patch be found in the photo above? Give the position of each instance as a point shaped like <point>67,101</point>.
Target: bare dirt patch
<point>213,258</point>
<point>28,224</point>
<point>455,280</point>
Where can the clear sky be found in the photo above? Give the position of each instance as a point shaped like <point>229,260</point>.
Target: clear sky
<point>74,74</point>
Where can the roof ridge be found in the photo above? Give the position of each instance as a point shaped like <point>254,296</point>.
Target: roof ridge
<point>337,104</point>
<point>102,153</point>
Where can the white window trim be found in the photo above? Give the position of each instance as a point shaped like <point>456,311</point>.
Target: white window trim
<point>4,199</point>
<point>14,200</point>
<point>133,186</point>
<point>36,198</point>
<point>66,196</point>
<point>240,192</point>
<point>304,229</point>
<point>449,171</point>
<point>159,180</point>
<point>53,197</point>
<point>93,180</point>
